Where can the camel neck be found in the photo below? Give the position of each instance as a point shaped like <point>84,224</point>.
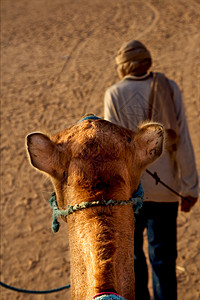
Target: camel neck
<point>104,237</point>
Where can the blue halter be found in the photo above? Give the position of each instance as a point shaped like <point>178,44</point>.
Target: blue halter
<point>90,117</point>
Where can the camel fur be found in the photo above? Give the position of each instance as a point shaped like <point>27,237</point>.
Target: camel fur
<point>94,160</point>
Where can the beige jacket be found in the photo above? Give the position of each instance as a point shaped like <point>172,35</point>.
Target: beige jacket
<point>126,104</point>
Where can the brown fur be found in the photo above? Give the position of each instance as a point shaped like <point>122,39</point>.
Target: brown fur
<point>96,160</point>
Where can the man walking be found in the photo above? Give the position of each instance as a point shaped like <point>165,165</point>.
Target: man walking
<point>139,96</point>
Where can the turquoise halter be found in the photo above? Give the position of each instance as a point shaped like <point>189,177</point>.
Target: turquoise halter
<point>136,200</point>
<point>90,117</point>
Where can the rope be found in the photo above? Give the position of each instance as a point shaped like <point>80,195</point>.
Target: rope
<point>32,291</point>
<point>158,180</point>
<point>136,200</point>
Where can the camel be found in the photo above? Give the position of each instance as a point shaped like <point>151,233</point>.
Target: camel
<point>96,160</point>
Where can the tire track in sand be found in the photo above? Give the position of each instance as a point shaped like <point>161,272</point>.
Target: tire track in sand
<point>154,22</point>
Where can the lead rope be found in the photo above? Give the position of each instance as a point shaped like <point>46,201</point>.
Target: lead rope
<point>158,180</point>
<point>32,291</point>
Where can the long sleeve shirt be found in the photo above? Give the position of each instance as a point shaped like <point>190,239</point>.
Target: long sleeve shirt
<point>126,103</point>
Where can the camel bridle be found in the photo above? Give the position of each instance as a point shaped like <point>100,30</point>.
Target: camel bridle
<point>136,201</point>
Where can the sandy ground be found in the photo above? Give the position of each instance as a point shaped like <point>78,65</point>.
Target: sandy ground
<point>57,59</point>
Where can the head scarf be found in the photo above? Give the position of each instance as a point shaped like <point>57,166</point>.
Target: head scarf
<point>137,53</point>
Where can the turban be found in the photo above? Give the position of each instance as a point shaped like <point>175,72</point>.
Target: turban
<point>133,58</point>
<point>132,51</point>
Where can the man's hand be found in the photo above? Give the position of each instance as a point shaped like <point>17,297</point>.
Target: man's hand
<point>187,203</point>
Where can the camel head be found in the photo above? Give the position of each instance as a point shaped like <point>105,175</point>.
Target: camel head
<point>95,159</point>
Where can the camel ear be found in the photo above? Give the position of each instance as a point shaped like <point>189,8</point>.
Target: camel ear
<point>149,143</point>
<point>42,152</point>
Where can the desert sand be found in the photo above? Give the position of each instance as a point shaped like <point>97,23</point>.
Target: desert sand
<point>57,59</point>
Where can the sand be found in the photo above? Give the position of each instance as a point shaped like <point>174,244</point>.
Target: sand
<point>57,59</point>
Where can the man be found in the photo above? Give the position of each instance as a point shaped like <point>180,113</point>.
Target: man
<point>139,96</point>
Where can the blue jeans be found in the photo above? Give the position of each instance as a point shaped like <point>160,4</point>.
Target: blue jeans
<point>160,221</point>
